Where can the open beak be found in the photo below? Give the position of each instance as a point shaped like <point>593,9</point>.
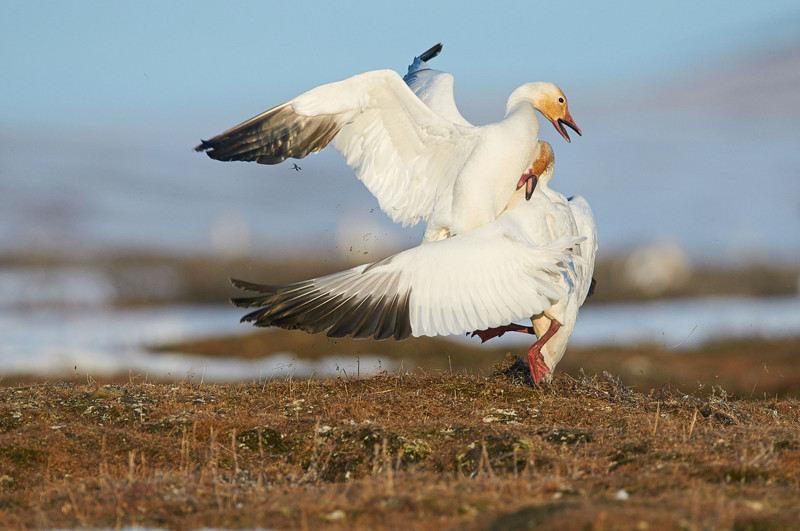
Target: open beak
<point>529,181</point>
<point>530,186</point>
<point>567,120</point>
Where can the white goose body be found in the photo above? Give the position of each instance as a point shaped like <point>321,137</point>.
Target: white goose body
<point>534,261</point>
<point>419,164</point>
<point>485,183</point>
<point>549,217</point>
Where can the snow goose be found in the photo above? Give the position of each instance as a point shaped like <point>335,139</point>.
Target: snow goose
<point>435,89</point>
<point>420,165</point>
<point>533,261</point>
<point>549,216</point>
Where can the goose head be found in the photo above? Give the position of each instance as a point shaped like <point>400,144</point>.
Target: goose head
<point>549,100</point>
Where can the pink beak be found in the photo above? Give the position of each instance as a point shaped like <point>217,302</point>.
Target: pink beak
<point>567,120</point>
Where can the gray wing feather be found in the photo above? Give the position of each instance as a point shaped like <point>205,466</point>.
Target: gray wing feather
<point>345,303</point>
<point>272,137</point>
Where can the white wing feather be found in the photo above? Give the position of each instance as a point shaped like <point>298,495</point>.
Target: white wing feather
<point>455,281</point>
<point>584,219</point>
<point>435,89</point>
<point>478,280</point>
<point>404,152</point>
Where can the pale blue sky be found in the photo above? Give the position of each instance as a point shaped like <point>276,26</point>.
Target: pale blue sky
<point>110,67</point>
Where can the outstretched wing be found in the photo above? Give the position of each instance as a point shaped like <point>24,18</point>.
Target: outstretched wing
<point>405,153</point>
<point>473,281</point>
<point>584,219</point>
<point>433,87</point>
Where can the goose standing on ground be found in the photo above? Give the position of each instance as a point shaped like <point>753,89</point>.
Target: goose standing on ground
<point>551,216</point>
<point>534,261</point>
<point>419,164</point>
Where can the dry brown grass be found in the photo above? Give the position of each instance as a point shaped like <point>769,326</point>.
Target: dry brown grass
<point>396,451</point>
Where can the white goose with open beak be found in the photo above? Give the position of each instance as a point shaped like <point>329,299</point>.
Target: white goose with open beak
<point>419,163</point>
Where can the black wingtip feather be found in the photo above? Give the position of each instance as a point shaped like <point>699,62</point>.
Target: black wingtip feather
<point>203,146</point>
<point>302,306</point>
<point>252,286</point>
<point>431,52</point>
<point>272,137</point>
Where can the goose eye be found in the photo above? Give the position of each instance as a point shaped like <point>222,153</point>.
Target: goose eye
<point>560,100</point>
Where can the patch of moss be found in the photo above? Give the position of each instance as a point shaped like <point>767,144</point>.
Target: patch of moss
<point>341,465</point>
<point>565,435</point>
<point>629,448</point>
<point>503,453</point>
<point>271,440</point>
<point>9,421</point>
<point>414,450</point>
<point>169,424</point>
<point>786,444</point>
<point>530,517</point>
<point>736,475</point>
<point>22,456</point>
<point>525,444</point>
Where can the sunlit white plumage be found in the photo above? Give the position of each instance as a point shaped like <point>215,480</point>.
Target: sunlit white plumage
<point>479,279</point>
<point>434,87</point>
<point>534,261</point>
<point>549,217</point>
<point>419,164</point>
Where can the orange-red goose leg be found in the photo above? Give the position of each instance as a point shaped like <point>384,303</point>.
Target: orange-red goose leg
<point>490,333</point>
<point>535,359</point>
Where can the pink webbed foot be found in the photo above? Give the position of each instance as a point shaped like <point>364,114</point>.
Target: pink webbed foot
<point>535,359</point>
<point>536,362</point>
<point>491,333</point>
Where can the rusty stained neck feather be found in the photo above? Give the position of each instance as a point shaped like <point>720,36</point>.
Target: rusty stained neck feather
<point>543,160</point>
